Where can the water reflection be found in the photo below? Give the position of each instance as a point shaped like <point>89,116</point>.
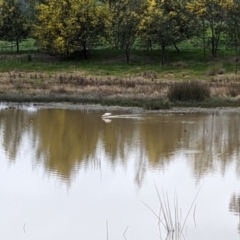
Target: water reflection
<point>65,140</point>
<point>115,165</point>
<point>13,125</point>
<point>234,206</point>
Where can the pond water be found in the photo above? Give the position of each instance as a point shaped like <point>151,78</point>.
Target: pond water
<point>68,174</point>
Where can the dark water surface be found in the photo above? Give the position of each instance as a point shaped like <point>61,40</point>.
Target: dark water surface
<point>69,175</point>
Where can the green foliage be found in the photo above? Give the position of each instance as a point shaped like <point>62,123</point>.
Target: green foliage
<point>13,22</point>
<point>211,15</point>
<point>192,91</point>
<point>27,45</point>
<point>66,26</point>
<point>233,28</point>
<point>78,26</point>
<point>167,23</point>
<point>126,17</point>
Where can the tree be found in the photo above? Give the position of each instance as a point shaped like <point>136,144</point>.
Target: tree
<point>166,23</point>
<point>66,26</point>
<point>14,25</point>
<point>233,28</point>
<point>211,15</point>
<point>126,17</point>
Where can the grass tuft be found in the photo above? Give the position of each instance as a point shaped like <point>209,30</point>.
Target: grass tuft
<point>214,70</point>
<point>191,91</point>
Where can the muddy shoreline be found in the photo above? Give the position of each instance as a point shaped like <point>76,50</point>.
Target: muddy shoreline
<point>97,107</point>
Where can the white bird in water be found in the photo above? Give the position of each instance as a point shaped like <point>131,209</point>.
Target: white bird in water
<point>105,115</point>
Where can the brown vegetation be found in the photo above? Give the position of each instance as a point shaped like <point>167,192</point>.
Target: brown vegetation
<point>146,85</point>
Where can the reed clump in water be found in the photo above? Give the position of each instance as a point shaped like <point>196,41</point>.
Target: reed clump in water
<point>170,217</point>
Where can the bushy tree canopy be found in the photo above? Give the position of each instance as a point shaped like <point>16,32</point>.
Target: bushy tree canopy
<point>65,26</point>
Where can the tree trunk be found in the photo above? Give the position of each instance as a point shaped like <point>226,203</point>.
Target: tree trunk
<point>84,52</point>
<point>236,66</point>
<point>150,45</point>
<point>163,54</point>
<point>127,52</point>
<point>214,48</point>
<point>176,47</point>
<point>17,44</point>
<point>203,39</point>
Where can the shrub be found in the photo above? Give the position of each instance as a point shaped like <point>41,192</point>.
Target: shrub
<point>234,90</point>
<point>191,91</point>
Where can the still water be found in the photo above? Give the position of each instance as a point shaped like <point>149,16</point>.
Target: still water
<point>67,174</point>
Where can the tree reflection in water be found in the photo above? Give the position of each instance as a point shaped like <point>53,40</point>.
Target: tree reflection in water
<point>65,140</point>
<point>234,207</point>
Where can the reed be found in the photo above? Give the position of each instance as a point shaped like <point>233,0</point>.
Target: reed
<point>188,91</point>
<point>171,217</point>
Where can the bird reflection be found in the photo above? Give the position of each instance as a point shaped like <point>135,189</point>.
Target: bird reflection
<point>106,120</point>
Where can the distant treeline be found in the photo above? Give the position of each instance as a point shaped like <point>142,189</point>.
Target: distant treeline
<point>67,26</point>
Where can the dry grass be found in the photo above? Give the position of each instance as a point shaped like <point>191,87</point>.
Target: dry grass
<point>225,86</point>
<point>149,75</point>
<point>147,85</point>
<point>77,83</point>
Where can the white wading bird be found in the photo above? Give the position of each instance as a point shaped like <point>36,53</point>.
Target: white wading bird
<point>106,115</point>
